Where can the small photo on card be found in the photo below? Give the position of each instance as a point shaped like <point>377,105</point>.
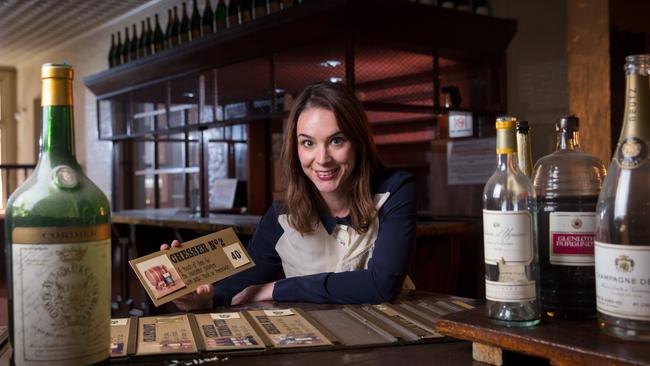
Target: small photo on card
<point>161,276</point>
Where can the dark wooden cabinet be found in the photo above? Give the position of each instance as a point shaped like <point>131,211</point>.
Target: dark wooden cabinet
<point>214,108</point>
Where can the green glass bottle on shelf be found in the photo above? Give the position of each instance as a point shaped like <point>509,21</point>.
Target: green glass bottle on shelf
<point>174,37</point>
<point>195,23</point>
<point>259,8</point>
<point>111,52</point>
<point>208,19</point>
<point>246,10</point>
<point>58,247</point>
<point>168,29</point>
<point>233,14</point>
<point>221,16</point>
<point>126,47</point>
<point>184,27</point>
<point>148,43</point>
<point>274,6</point>
<point>158,37</point>
<point>142,41</point>
<point>117,52</point>
<point>133,50</point>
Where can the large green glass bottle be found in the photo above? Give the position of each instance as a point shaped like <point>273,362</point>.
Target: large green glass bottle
<point>58,247</point>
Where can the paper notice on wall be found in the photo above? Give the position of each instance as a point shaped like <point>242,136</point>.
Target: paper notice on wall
<point>470,161</point>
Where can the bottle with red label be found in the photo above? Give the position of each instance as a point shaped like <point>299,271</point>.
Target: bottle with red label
<point>567,183</point>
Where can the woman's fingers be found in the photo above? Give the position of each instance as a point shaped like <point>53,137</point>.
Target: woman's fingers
<point>164,247</point>
<point>176,243</point>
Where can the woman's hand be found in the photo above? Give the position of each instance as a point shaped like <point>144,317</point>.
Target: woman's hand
<point>254,293</point>
<point>201,299</point>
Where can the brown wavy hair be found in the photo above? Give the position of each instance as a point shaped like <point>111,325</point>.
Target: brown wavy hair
<point>302,201</point>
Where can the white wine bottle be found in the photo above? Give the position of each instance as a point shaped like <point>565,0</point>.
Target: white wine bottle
<point>510,237</point>
<point>622,243</point>
<point>58,242</point>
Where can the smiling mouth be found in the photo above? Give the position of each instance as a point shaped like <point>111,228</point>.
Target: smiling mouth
<point>326,174</point>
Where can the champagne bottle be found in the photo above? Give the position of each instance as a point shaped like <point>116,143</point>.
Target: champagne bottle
<point>158,37</point>
<point>58,244</point>
<point>524,154</point>
<point>195,25</point>
<point>133,50</point>
<point>510,238</point>
<point>142,42</point>
<point>148,44</point>
<point>168,29</point>
<point>126,47</point>
<point>622,225</point>
<point>111,52</point>
<point>567,183</point>
<point>221,16</point>
<point>117,53</point>
<point>233,14</point>
<point>185,27</point>
<point>259,9</point>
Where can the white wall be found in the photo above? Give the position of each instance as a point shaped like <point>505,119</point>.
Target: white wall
<point>537,66</point>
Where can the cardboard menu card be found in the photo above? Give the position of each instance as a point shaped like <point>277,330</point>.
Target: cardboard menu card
<point>169,274</point>
<point>227,331</point>
<point>122,336</point>
<point>166,334</point>
<point>287,328</point>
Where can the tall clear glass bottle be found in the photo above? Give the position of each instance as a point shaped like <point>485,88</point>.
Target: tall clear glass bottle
<point>510,238</point>
<point>524,150</point>
<point>623,217</point>
<point>58,240</point>
<point>567,183</point>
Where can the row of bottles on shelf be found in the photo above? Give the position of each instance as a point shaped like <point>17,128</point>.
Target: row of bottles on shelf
<point>187,28</point>
<point>568,238</point>
<point>470,6</point>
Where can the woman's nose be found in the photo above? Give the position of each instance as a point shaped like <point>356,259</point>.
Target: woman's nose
<point>323,155</point>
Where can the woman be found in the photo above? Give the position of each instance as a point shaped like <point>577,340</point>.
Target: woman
<point>346,228</point>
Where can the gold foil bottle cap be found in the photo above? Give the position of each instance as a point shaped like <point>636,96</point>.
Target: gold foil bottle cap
<point>506,122</point>
<point>57,84</point>
<point>506,136</point>
<point>56,71</point>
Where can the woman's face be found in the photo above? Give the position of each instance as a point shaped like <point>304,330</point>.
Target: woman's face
<point>327,157</point>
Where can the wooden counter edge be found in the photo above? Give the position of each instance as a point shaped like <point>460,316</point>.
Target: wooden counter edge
<point>520,344</point>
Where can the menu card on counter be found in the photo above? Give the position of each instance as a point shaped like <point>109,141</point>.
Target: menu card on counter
<point>123,333</point>
<point>227,331</point>
<point>288,328</point>
<point>169,274</point>
<point>166,334</point>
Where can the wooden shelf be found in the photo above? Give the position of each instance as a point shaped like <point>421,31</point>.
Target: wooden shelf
<point>563,342</point>
<point>455,34</point>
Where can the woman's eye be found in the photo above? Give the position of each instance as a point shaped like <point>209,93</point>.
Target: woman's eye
<point>337,140</point>
<point>306,143</point>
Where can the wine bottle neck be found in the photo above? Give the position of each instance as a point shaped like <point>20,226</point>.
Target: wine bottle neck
<point>508,161</point>
<point>58,133</point>
<point>636,120</point>
<point>568,140</point>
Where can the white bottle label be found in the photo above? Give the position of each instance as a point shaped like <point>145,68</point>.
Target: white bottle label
<point>510,291</point>
<point>61,297</point>
<point>508,237</point>
<point>571,238</point>
<point>623,281</point>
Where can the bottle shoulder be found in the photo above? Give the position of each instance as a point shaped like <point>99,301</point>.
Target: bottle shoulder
<point>566,172</point>
<point>40,198</point>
